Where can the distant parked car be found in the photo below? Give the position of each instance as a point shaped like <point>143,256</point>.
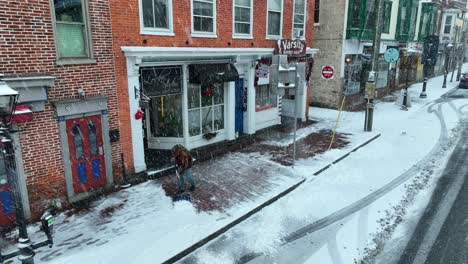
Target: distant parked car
<point>463,81</point>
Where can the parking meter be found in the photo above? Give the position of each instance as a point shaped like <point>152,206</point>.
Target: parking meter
<point>47,224</point>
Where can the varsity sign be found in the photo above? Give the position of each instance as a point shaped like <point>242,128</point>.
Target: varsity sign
<point>291,47</point>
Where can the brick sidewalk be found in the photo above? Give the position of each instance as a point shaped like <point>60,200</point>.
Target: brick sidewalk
<point>229,180</point>
<point>236,177</point>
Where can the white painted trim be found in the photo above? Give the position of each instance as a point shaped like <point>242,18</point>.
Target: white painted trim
<point>343,39</point>
<point>237,35</point>
<point>242,37</point>
<point>203,34</point>
<point>154,30</point>
<point>136,125</point>
<point>230,104</point>
<point>197,142</point>
<point>192,52</point>
<point>185,121</point>
<point>156,33</point>
<point>305,19</point>
<point>274,37</point>
<point>250,100</point>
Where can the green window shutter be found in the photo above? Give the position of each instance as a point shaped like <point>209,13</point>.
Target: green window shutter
<point>427,21</point>
<point>387,16</point>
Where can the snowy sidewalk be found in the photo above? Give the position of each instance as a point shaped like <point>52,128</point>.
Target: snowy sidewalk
<point>367,187</point>
<point>143,225</point>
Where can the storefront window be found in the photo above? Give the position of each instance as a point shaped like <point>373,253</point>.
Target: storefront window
<point>264,98</point>
<point>206,108</point>
<point>166,116</point>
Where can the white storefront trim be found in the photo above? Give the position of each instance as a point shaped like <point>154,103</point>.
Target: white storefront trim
<point>244,60</point>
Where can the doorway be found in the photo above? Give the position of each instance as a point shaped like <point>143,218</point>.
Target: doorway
<point>239,112</point>
<point>86,148</point>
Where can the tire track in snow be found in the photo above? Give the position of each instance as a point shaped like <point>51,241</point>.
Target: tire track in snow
<point>369,199</point>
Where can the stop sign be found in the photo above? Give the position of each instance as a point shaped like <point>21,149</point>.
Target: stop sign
<point>328,72</point>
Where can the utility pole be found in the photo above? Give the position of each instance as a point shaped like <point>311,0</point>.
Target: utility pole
<point>463,46</point>
<point>370,85</point>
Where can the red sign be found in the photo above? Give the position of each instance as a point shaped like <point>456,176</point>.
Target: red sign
<point>328,72</point>
<point>291,47</point>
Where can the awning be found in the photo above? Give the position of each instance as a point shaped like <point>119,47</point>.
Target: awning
<point>22,114</point>
<point>213,73</point>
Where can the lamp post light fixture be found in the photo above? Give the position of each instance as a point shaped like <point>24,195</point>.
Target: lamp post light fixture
<point>448,49</point>
<point>8,99</point>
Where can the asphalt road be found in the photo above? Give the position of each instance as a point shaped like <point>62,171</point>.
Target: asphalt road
<point>441,235</point>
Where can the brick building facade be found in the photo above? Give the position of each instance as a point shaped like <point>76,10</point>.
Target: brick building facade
<point>197,33</point>
<point>58,55</point>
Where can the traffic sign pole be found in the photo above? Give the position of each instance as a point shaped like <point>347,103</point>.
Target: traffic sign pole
<point>370,85</point>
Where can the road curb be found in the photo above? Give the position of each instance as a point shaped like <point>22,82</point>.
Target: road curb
<point>244,217</point>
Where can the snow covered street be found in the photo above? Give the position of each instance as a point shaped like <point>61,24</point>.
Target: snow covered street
<point>345,214</point>
<point>360,200</point>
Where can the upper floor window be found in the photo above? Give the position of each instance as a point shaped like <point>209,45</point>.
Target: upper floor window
<point>243,11</point>
<point>448,25</point>
<point>317,12</point>
<point>156,16</point>
<point>275,17</point>
<point>72,30</point>
<point>204,16</point>
<point>299,19</point>
<point>387,16</point>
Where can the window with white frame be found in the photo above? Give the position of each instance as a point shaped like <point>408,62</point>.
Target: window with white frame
<point>157,15</point>
<point>206,108</point>
<point>448,25</point>
<point>274,20</point>
<point>204,16</point>
<point>243,18</point>
<point>299,19</point>
<point>72,33</point>
<point>265,98</point>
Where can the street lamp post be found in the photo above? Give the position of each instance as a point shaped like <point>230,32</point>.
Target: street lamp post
<point>428,54</point>
<point>447,56</point>
<point>8,98</point>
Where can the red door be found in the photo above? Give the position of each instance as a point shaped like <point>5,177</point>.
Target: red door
<point>86,153</point>
<point>7,207</point>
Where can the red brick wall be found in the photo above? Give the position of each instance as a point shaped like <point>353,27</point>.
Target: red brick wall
<point>126,32</point>
<point>27,46</point>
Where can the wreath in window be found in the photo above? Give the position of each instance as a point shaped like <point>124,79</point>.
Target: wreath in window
<point>208,90</point>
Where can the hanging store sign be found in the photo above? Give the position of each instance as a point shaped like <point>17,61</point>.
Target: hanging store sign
<point>263,74</point>
<point>291,47</point>
<point>158,81</point>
